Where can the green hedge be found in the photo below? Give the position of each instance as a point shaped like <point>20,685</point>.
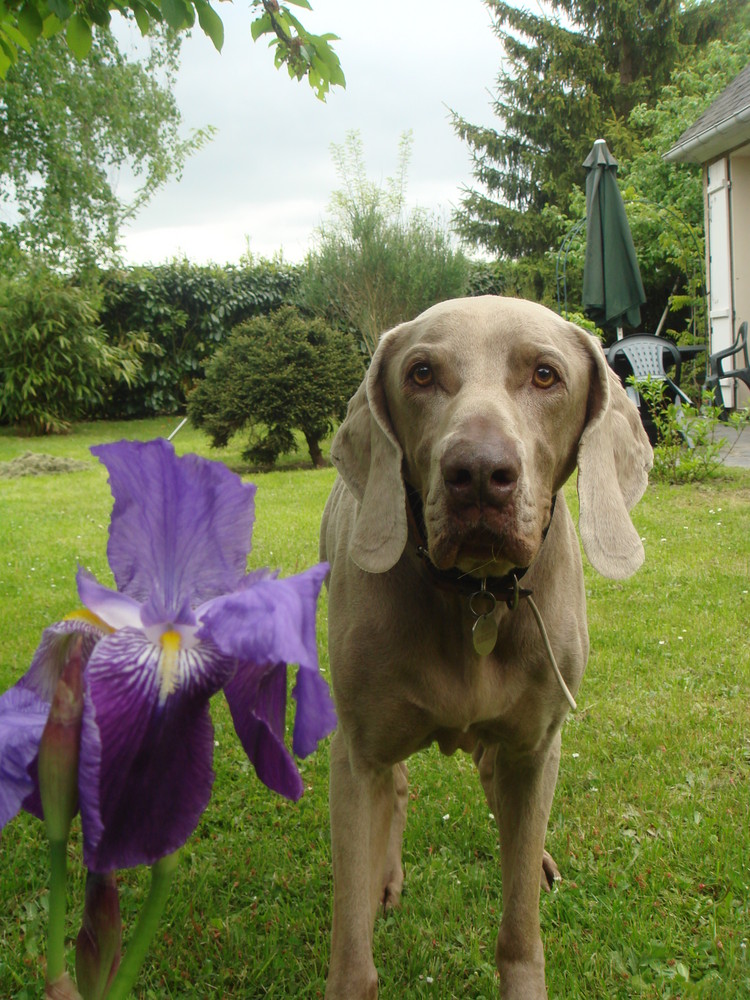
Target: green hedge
<point>153,329</point>
<point>186,311</point>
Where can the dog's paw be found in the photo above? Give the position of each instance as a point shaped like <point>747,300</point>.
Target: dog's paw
<point>550,873</point>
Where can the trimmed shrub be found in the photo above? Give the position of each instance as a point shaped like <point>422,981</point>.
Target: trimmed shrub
<point>277,374</point>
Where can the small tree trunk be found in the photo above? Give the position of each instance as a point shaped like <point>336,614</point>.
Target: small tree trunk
<point>313,446</point>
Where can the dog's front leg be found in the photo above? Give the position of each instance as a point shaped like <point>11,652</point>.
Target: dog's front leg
<point>521,791</point>
<point>362,800</point>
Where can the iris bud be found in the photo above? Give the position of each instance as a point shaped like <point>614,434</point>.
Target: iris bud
<point>59,749</point>
<point>98,947</point>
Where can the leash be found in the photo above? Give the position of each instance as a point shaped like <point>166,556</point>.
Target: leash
<point>483,602</point>
<point>551,655</point>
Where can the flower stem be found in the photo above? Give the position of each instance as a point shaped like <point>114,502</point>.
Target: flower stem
<point>161,880</point>
<point>58,856</point>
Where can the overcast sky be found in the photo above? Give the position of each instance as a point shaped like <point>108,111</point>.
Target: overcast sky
<point>266,178</point>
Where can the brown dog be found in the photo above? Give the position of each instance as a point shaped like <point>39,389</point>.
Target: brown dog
<point>446,513</point>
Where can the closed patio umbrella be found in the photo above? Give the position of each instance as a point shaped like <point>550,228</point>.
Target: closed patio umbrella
<point>612,287</point>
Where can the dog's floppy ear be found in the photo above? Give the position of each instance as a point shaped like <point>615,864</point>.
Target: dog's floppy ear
<point>614,457</point>
<point>368,457</point>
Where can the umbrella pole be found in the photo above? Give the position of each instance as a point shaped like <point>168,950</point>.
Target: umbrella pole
<point>619,333</point>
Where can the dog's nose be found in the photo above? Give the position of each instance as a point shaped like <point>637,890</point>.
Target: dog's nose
<point>481,472</point>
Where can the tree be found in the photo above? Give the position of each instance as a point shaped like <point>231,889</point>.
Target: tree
<point>23,23</point>
<point>654,128</point>
<point>374,263</point>
<point>67,127</point>
<point>567,80</point>
<point>275,374</point>
<point>667,199</point>
<point>664,201</point>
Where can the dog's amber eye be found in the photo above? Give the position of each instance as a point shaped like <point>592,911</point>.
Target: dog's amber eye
<point>545,377</point>
<point>421,375</point>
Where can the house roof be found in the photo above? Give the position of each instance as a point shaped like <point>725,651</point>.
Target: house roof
<point>722,128</point>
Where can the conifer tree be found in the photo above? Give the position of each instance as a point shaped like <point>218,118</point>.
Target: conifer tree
<point>566,80</point>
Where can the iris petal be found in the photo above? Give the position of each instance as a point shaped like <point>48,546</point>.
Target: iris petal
<point>269,621</point>
<point>273,620</point>
<point>257,701</point>
<point>23,715</point>
<point>180,529</point>
<point>146,748</point>
<point>315,716</point>
<point>116,609</point>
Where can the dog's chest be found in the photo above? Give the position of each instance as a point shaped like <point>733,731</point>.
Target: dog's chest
<point>455,697</point>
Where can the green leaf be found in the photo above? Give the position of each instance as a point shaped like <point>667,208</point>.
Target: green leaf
<point>62,8</point>
<point>142,18</point>
<point>327,64</point>
<point>336,72</point>
<point>337,76</point>
<point>6,61</point>
<point>321,68</point>
<point>282,20</point>
<point>17,37</point>
<point>291,21</point>
<point>78,36</point>
<point>152,9</point>
<point>261,26</point>
<point>301,3</point>
<point>211,23</point>
<point>30,22</point>
<point>176,13</point>
<point>100,15</point>
<point>51,25</point>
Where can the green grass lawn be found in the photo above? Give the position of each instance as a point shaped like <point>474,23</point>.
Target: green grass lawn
<point>650,825</point>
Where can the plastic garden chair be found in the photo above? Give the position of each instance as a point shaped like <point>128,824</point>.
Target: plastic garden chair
<point>645,356</point>
<point>717,371</point>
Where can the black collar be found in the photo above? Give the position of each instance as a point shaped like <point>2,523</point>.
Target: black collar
<point>503,588</point>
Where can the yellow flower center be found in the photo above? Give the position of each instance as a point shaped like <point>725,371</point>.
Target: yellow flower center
<point>169,663</point>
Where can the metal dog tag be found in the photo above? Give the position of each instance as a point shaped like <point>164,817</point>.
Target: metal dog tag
<point>484,630</point>
<point>484,634</point>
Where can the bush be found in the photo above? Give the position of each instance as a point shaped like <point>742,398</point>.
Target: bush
<point>374,264</point>
<point>274,375</point>
<point>56,361</point>
<point>185,311</point>
<point>688,446</point>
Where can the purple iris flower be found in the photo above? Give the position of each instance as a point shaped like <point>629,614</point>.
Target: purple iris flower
<point>185,621</point>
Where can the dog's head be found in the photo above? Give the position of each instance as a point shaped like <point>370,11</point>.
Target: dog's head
<point>485,406</point>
